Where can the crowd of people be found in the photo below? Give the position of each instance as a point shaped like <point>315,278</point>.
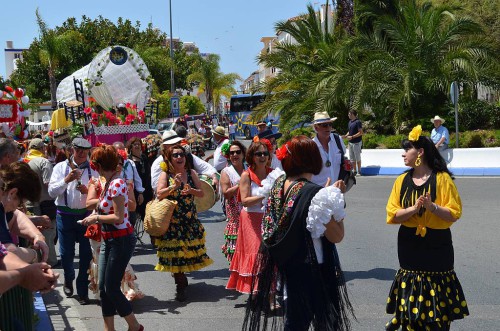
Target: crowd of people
<point>285,214</point>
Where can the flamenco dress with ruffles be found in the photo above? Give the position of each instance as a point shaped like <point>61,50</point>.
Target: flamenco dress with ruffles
<point>247,245</point>
<point>233,210</point>
<point>426,293</point>
<point>182,248</point>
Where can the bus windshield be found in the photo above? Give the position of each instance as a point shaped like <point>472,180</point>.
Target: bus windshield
<point>240,109</point>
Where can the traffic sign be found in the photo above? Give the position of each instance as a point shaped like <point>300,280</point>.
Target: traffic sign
<point>454,93</point>
<point>174,106</point>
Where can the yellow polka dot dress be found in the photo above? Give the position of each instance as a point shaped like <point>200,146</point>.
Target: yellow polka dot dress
<point>426,293</point>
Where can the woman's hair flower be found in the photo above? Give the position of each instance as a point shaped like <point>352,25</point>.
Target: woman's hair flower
<point>224,150</point>
<point>123,154</point>
<point>415,133</point>
<point>264,141</point>
<point>164,166</point>
<point>283,151</point>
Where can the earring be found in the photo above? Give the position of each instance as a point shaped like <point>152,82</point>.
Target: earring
<point>418,161</point>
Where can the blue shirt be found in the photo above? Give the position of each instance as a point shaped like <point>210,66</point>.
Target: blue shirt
<point>438,133</point>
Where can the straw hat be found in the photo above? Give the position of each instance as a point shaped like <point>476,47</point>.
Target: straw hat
<point>220,131</point>
<point>322,117</point>
<point>437,118</point>
<point>170,137</point>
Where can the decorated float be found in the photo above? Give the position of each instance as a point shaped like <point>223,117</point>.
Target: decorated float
<point>108,100</point>
<point>12,113</point>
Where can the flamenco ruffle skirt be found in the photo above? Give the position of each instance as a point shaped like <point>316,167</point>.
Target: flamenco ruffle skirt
<point>423,297</point>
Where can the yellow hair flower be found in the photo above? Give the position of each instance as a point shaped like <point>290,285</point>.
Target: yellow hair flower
<point>415,133</point>
<point>163,166</point>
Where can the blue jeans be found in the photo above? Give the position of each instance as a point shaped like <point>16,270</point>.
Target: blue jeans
<point>114,257</point>
<point>232,136</point>
<point>70,233</point>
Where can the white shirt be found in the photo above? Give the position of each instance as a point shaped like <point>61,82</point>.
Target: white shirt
<point>200,166</point>
<point>220,161</point>
<point>57,186</point>
<point>129,172</point>
<point>334,155</point>
<point>275,163</point>
<point>232,128</point>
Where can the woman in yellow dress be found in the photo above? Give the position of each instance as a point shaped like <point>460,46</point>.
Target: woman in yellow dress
<point>182,248</point>
<point>426,293</point>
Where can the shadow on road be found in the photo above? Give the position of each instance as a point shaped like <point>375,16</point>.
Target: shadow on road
<point>377,273</point>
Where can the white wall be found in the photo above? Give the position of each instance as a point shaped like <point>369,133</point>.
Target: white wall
<point>461,161</point>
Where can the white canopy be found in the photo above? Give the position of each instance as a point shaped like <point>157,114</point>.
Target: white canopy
<point>111,82</point>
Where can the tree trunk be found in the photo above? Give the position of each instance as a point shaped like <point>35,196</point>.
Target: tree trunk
<point>53,89</point>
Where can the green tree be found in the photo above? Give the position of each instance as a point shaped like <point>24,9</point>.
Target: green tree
<point>292,93</point>
<point>403,67</point>
<point>191,105</point>
<point>52,49</point>
<point>212,81</point>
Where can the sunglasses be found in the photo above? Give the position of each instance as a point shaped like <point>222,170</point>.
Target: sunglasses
<point>235,152</point>
<point>178,155</point>
<point>261,154</point>
<point>325,125</point>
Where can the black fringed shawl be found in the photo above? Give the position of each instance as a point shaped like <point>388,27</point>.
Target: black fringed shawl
<point>331,313</point>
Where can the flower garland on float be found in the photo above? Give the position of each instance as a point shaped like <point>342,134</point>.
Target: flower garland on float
<point>13,113</point>
<point>108,118</point>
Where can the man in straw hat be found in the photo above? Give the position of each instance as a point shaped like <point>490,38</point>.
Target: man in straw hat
<point>220,138</point>
<point>261,126</point>
<point>331,148</point>
<point>440,135</point>
<point>171,138</point>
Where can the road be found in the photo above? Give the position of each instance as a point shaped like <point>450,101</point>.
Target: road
<point>369,259</point>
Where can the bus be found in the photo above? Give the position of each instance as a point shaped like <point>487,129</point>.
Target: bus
<point>240,109</point>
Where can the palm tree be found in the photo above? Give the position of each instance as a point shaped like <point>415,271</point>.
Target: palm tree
<point>52,50</point>
<point>212,81</point>
<point>406,62</point>
<point>292,93</point>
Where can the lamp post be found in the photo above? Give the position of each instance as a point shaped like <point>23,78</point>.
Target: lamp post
<point>172,82</point>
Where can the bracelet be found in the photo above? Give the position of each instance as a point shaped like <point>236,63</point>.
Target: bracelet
<point>435,208</point>
<point>97,219</point>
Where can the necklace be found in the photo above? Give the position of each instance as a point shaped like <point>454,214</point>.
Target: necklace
<point>327,163</point>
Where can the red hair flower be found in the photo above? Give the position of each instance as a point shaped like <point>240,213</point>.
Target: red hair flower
<point>264,141</point>
<point>282,151</point>
<point>123,154</point>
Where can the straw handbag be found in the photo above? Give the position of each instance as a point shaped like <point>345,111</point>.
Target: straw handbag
<point>158,215</point>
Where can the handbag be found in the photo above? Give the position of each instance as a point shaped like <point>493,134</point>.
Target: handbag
<point>158,216</point>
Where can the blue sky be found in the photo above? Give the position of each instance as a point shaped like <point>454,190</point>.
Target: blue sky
<point>230,28</point>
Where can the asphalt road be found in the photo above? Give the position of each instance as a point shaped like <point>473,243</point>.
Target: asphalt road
<point>369,259</point>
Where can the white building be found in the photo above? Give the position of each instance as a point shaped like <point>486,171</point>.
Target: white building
<point>12,55</point>
<point>263,73</point>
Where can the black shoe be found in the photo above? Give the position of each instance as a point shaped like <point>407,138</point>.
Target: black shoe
<point>180,294</point>
<point>68,289</point>
<point>83,301</point>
